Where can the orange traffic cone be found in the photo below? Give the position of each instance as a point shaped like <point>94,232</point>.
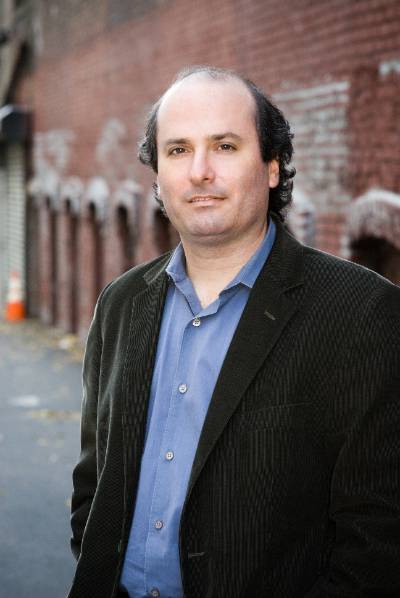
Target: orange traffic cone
<point>15,309</point>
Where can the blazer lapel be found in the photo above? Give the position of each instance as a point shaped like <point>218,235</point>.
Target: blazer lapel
<point>264,318</point>
<point>145,320</point>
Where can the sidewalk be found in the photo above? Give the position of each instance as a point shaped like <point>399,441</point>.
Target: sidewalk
<point>40,396</point>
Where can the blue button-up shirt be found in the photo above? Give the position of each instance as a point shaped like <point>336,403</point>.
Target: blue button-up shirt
<point>191,348</point>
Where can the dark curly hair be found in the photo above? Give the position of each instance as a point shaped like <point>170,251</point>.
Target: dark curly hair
<point>273,130</point>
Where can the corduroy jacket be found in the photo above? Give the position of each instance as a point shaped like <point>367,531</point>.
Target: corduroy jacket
<point>295,487</point>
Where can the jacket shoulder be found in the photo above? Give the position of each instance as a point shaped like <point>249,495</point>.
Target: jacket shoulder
<point>132,282</point>
<point>331,270</point>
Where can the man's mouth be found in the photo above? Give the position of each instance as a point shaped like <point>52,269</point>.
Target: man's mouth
<point>204,198</point>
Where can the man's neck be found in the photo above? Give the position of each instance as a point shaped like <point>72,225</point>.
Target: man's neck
<point>212,266</point>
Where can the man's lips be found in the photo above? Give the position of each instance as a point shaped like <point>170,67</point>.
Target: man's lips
<point>204,198</point>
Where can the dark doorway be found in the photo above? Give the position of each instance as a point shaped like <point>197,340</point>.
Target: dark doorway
<point>97,244</point>
<point>32,258</point>
<point>378,255</point>
<point>53,264</point>
<point>125,239</point>
<point>165,236</point>
<point>73,264</point>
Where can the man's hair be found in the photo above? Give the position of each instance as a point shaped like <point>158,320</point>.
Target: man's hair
<point>274,135</point>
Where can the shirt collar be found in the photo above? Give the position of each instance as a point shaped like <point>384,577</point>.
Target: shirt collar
<point>176,268</point>
<point>247,275</point>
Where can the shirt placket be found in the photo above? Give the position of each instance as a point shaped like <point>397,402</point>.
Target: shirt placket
<point>162,496</point>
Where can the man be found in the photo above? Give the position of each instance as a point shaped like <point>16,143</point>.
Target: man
<point>240,421</point>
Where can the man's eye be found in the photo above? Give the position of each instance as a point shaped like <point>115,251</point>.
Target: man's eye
<point>176,150</point>
<point>226,147</point>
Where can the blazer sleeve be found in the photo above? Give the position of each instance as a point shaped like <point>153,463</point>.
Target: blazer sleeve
<point>365,489</point>
<point>84,476</point>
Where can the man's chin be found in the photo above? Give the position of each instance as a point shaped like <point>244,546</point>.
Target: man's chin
<point>208,236</point>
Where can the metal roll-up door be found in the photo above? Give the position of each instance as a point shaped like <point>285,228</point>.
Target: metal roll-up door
<point>3,229</point>
<point>15,212</point>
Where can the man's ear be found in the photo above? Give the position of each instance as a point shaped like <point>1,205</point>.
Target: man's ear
<point>273,173</point>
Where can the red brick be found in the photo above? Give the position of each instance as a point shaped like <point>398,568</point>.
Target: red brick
<point>98,60</point>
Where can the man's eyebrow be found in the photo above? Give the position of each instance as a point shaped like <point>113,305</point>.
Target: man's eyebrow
<point>178,141</point>
<point>216,137</point>
<point>229,134</point>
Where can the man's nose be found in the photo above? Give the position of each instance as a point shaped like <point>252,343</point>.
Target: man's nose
<point>201,169</point>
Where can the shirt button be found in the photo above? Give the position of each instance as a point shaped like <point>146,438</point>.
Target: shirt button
<point>169,455</point>
<point>182,388</point>
<point>196,321</point>
<point>155,592</point>
<point>158,524</point>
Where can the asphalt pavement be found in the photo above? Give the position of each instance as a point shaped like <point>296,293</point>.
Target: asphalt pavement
<point>40,396</point>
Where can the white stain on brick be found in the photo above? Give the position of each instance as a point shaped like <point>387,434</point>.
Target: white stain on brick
<point>301,217</point>
<point>318,117</point>
<point>113,178</point>
<point>124,193</point>
<point>51,155</point>
<point>389,66</point>
<point>98,193</point>
<point>112,153</point>
<point>72,188</point>
<point>375,214</point>
<point>311,92</point>
<point>112,136</point>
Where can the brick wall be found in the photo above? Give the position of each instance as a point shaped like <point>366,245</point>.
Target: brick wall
<point>332,65</point>
<point>374,122</point>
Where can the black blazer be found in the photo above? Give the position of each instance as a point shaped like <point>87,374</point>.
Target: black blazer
<point>294,490</point>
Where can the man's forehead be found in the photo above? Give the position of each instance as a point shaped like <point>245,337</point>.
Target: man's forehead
<point>202,93</point>
<point>196,81</point>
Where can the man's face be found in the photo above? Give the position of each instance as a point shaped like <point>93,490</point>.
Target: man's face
<point>211,177</point>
